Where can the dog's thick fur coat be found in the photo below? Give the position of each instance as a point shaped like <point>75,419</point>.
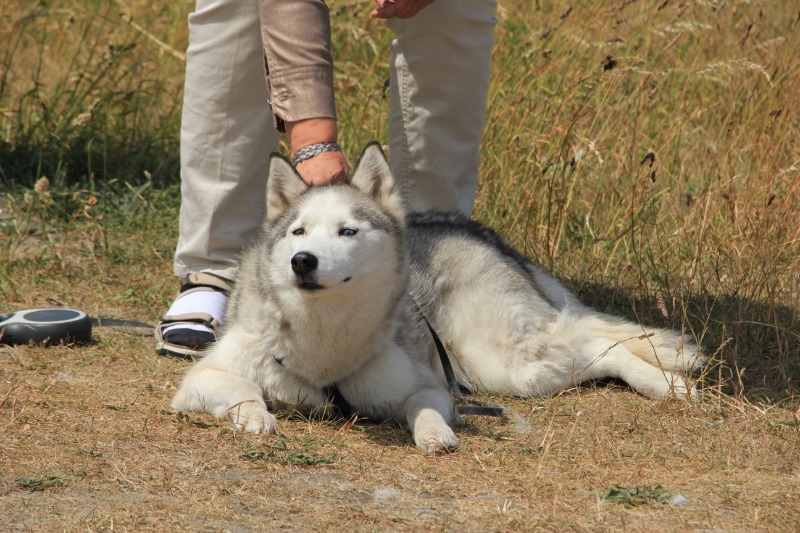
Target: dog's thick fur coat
<point>333,293</point>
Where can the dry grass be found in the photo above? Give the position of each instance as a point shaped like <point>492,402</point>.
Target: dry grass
<point>95,419</point>
<point>646,152</point>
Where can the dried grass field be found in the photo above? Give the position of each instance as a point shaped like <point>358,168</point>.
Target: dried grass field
<point>646,152</point>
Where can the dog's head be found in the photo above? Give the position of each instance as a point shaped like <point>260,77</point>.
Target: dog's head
<point>372,177</point>
<point>335,236</point>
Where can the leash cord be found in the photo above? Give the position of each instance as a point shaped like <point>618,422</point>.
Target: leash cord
<point>476,407</point>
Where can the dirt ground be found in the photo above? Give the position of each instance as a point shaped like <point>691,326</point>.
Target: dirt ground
<point>89,443</point>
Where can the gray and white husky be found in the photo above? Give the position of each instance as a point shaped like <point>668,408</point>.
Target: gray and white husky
<point>333,294</point>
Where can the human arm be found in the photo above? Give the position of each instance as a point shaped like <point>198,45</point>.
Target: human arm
<point>297,39</point>
<point>403,9</point>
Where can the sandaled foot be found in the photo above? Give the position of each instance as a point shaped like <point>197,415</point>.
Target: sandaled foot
<point>193,320</point>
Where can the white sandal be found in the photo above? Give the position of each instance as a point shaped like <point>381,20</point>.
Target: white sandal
<point>193,320</point>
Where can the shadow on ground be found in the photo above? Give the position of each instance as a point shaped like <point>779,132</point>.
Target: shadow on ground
<point>754,347</point>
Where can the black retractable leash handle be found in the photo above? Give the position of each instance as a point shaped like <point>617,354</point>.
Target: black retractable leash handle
<point>45,326</point>
<point>55,326</point>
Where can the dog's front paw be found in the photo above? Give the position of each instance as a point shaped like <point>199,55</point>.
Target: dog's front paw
<point>429,414</point>
<point>432,433</point>
<point>440,438</point>
<point>252,417</point>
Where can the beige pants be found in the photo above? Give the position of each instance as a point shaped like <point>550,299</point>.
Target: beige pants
<point>439,80</point>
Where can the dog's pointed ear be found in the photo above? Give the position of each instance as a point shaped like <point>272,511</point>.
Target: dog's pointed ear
<point>284,186</point>
<point>374,178</point>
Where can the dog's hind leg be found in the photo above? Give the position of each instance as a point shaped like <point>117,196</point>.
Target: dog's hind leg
<point>607,358</point>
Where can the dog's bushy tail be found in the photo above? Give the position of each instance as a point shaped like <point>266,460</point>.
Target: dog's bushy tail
<point>669,350</point>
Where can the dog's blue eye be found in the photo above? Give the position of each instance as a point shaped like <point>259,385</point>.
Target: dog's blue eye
<point>299,231</point>
<point>347,232</point>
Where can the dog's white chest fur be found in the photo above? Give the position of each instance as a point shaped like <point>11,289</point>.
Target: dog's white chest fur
<point>325,343</point>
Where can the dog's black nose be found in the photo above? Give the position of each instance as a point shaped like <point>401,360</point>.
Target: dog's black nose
<point>304,263</point>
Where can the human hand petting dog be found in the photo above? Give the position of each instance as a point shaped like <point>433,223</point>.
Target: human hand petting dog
<point>403,9</point>
<point>325,167</point>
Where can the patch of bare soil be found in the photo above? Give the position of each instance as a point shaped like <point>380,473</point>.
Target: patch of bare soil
<point>89,443</point>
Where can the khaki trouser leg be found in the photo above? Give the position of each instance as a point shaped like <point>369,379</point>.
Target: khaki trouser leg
<point>440,78</point>
<point>226,137</point>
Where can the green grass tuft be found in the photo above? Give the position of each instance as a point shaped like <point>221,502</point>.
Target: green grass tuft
<point>636,496</point>
<point>39,484</point>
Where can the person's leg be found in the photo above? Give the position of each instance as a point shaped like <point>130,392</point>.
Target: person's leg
<point>226,139</point>
<point>440,68</point>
